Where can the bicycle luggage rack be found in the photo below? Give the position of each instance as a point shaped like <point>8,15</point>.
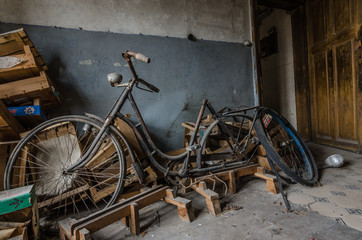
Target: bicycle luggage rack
<point>127,211</point>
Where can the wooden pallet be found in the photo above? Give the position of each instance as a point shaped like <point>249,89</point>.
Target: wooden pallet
<point>83,228</point>
<point>231,176</point>
<point>12,43</point>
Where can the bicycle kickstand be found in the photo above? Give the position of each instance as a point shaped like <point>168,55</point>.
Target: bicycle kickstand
<point>286,202</point>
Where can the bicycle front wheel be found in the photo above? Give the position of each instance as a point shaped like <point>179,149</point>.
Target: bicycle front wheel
<point>285,148</point>
<point>42,156</point>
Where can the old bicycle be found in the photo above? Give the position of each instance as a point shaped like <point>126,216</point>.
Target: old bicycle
<point>61,156</point>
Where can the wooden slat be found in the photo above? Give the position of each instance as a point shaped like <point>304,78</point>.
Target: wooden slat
<point>26,69</point>
<point>63,196</point>
<point>14,127</point>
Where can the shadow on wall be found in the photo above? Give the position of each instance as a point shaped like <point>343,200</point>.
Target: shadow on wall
<point>57,70</point>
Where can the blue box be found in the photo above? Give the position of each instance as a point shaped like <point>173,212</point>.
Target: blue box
<point>29,116</point>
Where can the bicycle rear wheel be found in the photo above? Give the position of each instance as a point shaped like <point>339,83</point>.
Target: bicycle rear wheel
<point>285,148</point>
<point>42,156</point>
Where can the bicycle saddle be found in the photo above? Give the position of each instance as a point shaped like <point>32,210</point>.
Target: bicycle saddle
<point>114,79</point>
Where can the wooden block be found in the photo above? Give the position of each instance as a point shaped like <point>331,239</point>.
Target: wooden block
<point>212,200</point>
<point>263,162</point>
<point>260,170</point>
<point>202,185</point>
<point>184,207</point>
<point>232,182</point>
<point>272,186</point>
<point>84,234</point>
<point>271,182</point>
<point>125,221</point>
<point>63,233</point>
<point>134,219</point>
<point>171,193</point>
<point>213,205</point>
<point>261,151</point>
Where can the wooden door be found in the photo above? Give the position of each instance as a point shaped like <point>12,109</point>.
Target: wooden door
<point>334,59</point>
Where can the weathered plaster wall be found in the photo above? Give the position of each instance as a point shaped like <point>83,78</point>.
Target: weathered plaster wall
<point>81,41</point>
<point>185,71</point>
<point>278,69</point>
<point>218,20</point>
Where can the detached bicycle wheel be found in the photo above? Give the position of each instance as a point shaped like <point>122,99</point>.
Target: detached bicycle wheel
<point>285,148</point>
<point>43,155</point>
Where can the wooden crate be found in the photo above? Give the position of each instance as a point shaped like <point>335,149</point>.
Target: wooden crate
<point>12,43</point>
<point>29,116</point>
<point>23,92</point>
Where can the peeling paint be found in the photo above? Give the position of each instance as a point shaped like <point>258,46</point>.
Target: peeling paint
<point>85,62</point>
<point>117,64</point>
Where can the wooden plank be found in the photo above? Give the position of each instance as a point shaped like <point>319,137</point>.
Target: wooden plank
<point>26,69</point>
<point>130,136</point>
<point>232,182</point>
<point>24,91</point>
<point>9,46</point>
<point>101,156</point>
<point>22,170</point>
<point>118,211</point>
<point>15,128</point>
<point>63,196</point>
<point>29,85</point>
<point>300,60</point>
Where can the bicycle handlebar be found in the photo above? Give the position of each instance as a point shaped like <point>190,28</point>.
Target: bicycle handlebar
<point>139,56</point>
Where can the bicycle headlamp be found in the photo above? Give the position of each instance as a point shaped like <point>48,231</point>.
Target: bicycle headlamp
<point>114,79</point>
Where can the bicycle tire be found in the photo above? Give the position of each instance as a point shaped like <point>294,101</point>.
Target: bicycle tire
<point>42,155</point>
<point>285,147</point>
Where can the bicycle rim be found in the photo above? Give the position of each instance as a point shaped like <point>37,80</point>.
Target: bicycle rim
<point>42,156</point>
<point>284,146</point>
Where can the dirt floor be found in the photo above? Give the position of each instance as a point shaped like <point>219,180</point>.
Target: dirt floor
<point>254,213</point>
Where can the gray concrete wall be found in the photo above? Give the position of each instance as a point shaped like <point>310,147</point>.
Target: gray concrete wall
<point>184,71</point>
<point>278,69</point>
<point>218,20</point>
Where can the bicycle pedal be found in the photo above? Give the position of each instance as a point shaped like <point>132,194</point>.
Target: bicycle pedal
<point>140,174</point>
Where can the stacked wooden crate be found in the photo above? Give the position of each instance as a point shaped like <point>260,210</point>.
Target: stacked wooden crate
<point>23,84</point>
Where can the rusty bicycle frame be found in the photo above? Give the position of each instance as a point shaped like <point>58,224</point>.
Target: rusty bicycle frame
<point>150,147</point>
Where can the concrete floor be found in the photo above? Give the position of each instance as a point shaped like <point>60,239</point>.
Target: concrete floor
<point>262,214</point>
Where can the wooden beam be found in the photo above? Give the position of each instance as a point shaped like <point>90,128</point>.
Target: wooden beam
<point>12,129</point>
